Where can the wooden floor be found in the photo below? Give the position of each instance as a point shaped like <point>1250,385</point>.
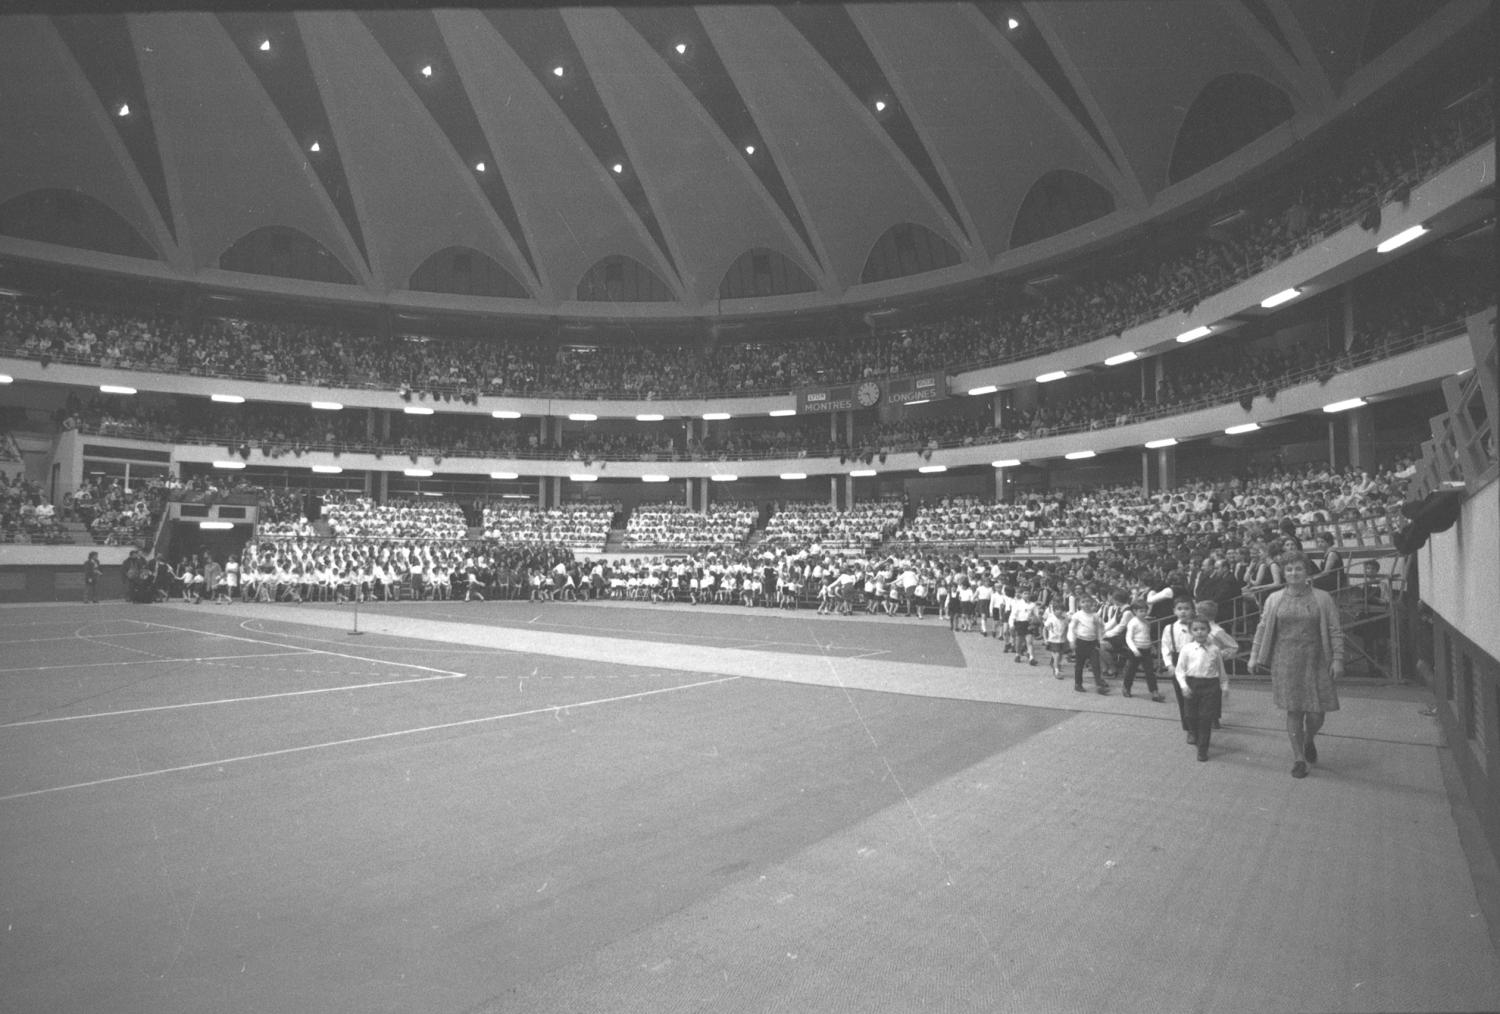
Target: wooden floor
<point>615,807</point>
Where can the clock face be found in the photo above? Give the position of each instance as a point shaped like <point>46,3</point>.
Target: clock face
<point>867,393</point>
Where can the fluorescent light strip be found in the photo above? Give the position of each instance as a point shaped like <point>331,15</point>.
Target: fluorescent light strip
<point>715,416</point>
<point>6,378</point>
<point>216,526</point>
<point>115,389</point>
<point>417,410</point>
<point>328,469</point>
<point>1006,463</point>
<point>1344,406</point>
<point>986,389</point>
<point>656,478</point>
<point>919,401</point>
<point>1401,238</point>
<point>504,475</point>
<point>862,473</point>
<point>229,464</point>
<point>418,473</point>
<point>1284,296</point>
<point>794,475</point>
<point>1048,378</point>
<point>584,478</point>
<point>777,413</point>
<point>1201,331</point>
<point>502,413</point>
<point>1123,357</point>
<point>1164,442</point>
<point>227,399</point>
<point>515,496</point>
<point>582,416</point>
<point>723,478</point>
<point>327,406</point>
<point>933,468</point>
<point>1078,455</point>
<point>1242,428</point>
<point>649,417</point>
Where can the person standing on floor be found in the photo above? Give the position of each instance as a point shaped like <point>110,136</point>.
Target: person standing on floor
<point>1201,674</point>
<point>91,572</point>
<point>1299,640</point>
<point>1085,630</point>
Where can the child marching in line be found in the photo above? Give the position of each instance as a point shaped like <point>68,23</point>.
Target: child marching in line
<point>1055,631</point>
<point>1084,633</point>
<point>1208,609</point>
<point>1022,614</point>
<point>1133,631</point>
<point>1201,675</point>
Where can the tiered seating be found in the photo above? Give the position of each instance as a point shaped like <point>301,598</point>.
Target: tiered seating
<point>398,519</point>
<point>819,524</point>
<point>725,524</point>
<point>584,526</point>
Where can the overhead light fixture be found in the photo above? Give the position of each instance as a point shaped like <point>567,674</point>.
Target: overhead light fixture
<point>115,389</point>
<point>880,105</point>
<point>618,168</point>
<point>227,399</point>
<point>584,477</point>
<point>215,526</point>
<point>327,406</point>
<point>1202,331</point>
<point>649,417</point>
<point>1123,357</point>
<point>1006,463</point>
<point>417,473</point>
<point>794,475</point>
<point>919,401</point>
<point>749,149</point>
<point>557,71</point>
<point>778,413</point>
<point>1163,442</point>
<point>1078,455</point>
<point>722,477</point>
<point>862,473</point>
<point>124,108</point>
<point>6,378</point>
<point>582,416</point>
<point>656,478</point>
<point>681,48</point>
<point>933,468</point>
<point>265,45</point>
<point>504,413</point>
<point>515,496</point>
<point>1401,238</point>
<point>1012,24</point>
<point>1242,428</point>
<point>328,469</point>
<point>229,465</point>
<point>985,389</point>
<point>417,410</point>
<point>1048,378</point>
<point>1284,296</point>
<point>427,70</point>
<point>479,167</point>
<point>715,416</point>
<point>504,475</point>
<point>315,147</point>
<point>1344,406</point>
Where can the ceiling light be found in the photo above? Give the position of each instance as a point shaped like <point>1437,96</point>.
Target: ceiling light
<point>1048,378</point>
<point>1005,463</point>
<point>1164,442</point>
<point>778,413</point>
<point>723,477</point>
<point>515,496</point>
<point>933,468</point>
<point>681,48</point>
<point>124,108</point>
<point>1344,406</point>
<point>1012,24</point>
<point>715,416</point>
<point>557,71</point>
<point>6,378</point>
<point>1078,455</point>
<point>584,477</point>
<point>115,389</point>
<point>327,406</point>
<point>749,149</point>
<point>315,147</point>
<point>986,389</point>
<point>649,417</point>
<point>227,399</point>
<point>656,478</point>
<point>1284,296</point>
<point>1401,238</point>
<point>794,475</point>
<point>862,473</point>
<point>479,167</point>
<point>618,168</point>
<point>216,526</point>
<point>919,401</point>
<point>1243,428</point>
<point>418,473</point>
<point>582,416</point>
<point>1201,331</point>
<point>328,469</point>
<point>229,465</point>
<point>879,106</point>
<point>501,413</point>
<point>504,475</point>
<point>417,410</point>
<point>1123,357</point>
<point>265,45</point>
<point>427,70</point>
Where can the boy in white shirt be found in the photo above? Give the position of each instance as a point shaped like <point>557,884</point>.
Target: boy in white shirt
<point>1201,674</point>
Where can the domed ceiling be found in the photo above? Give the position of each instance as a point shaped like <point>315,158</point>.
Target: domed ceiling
<point>657,161</point>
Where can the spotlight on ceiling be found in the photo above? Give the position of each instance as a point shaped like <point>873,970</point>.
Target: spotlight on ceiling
<point>124,108</point>
<point>749,149</point>
<point>880,105</point>
<point>618,168</point>
<point>681,48</point>
<point>427,70</point>
<point>557,71</point>
<point>1012,24</point>
<point>315,147</point>
<point>265,45</point>
<point>479,167</point>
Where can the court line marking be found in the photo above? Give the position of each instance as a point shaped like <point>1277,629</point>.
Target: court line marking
<point>297,647</point>
<point>158,660</point>
<point>554,709</point>
<point>79,637</point>
<point>225,700</point>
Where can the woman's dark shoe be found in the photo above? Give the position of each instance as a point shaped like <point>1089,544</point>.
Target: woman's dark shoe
<point>1203,753</point>
<point>1299,769</point>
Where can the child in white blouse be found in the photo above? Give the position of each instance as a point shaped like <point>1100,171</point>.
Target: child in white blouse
<point>1201,674</point>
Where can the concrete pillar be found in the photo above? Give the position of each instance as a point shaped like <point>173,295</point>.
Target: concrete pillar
<point>383,487</point>
<point>687,492</point>
<point>557,487</point>
<point>1348,318</point>
<point>833,492</point>
<point>703,485</point>
<point>849,430</point>
<point>997,402</point>
<point>1359,425</point>
<point>370,485</point>
<point>385,426</point>
<point>1000,485</point>
<point>1166,467</point>
<point>848,492</point>
<point>1145,473</point>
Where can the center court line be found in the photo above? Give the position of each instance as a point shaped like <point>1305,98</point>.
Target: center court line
<point>554,709</point>
<point>167,661</point>
<point>317,651</point>
<point>226,700</point>
<point>79,637</point>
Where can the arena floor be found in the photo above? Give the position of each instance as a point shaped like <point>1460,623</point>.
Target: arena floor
<point>482,807</point>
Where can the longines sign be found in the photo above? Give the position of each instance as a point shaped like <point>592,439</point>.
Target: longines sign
<point>926,387</point>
